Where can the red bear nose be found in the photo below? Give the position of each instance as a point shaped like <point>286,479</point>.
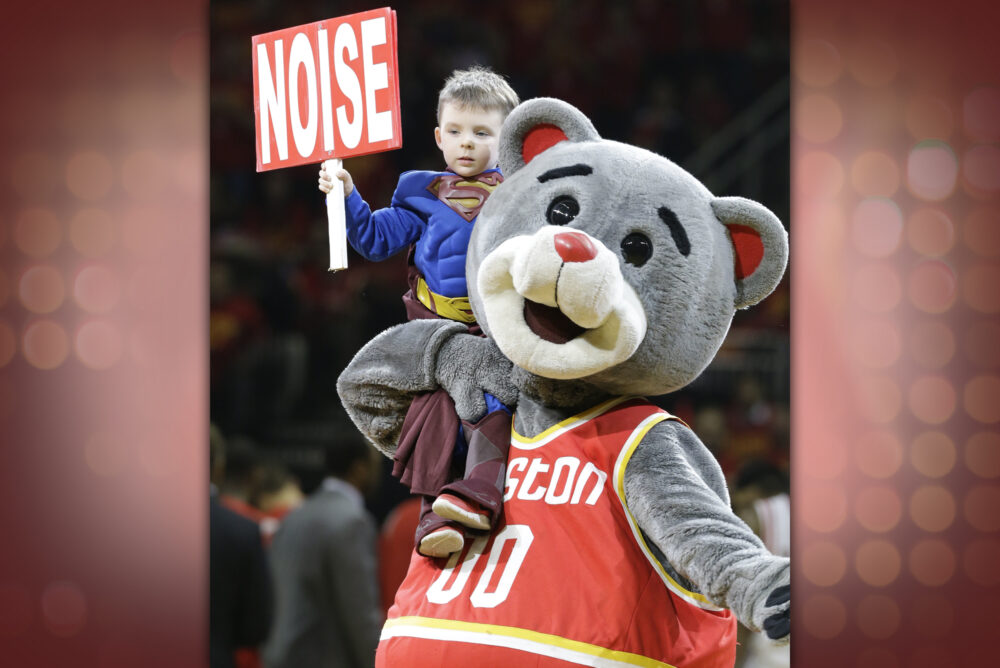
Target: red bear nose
<point>574,247</point>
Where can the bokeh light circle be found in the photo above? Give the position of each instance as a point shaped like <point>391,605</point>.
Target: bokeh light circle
<point>825,461</point>
<point>877,562</point>
<point>877,227</point>
<point>876,343</point>
<point>16,610</point>
<point>931,286</point>
<point>930,232</point>
<point>817,63</point>
<point>982,454</point>
<point>37,232</point>
<point>64,608</point>
<point>878,399</point>
<point>981,231</point>
<point>933,454</point>
<point>823,616</point>
<point>142,174</point>
<point>819,173</point>
<point>91,231</point>
<point>932,562</point>
<point>932,399</point>
<point>97,289</point>
<point>41,289</point>
<point>8,343</point>
<point>932,170</point>
<point>824,509</point>
<point>981,507</point>
<point>980,559</point>
<point>878,616</point>
<point>873,62</point>
<point>928,118</point>
<point>981,113</point>
<point>875,174</point>
<point>818,118</point>
<point>932,508</point>
<point>979,287</point>
<point>89,175</point>
<point>98,344</point>
<point>4,288</point>
<point>981,399</point>
<point>981,167</point>
<point>878,509</point>
<point>981,344</point>
<point>931,344</point>
<point>878,453</point>
<point>45,344</point>
<point>823,563</point>
<point>876,288</point>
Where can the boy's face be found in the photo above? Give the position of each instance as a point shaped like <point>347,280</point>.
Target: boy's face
<point>469,138</point>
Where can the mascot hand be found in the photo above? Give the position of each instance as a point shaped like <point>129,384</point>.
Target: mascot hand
<point>469,365</point>
<point>778,625</point>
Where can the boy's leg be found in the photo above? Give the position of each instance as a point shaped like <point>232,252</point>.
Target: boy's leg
<point>477,500</point>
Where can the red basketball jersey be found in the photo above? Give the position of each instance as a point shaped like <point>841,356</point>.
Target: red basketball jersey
<point>567,577</point>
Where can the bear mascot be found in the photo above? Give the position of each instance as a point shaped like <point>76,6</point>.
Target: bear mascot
<point>601,273</point>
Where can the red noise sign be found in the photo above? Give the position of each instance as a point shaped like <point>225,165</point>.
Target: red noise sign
<point>327,89</point>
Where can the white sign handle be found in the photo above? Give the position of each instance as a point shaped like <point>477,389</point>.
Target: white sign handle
<point>335,217</point>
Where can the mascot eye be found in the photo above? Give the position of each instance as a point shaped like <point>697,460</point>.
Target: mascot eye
<point>637,248</point>
<point>562,210</point>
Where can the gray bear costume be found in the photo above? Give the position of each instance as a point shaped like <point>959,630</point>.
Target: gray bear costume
<point>600,271</point>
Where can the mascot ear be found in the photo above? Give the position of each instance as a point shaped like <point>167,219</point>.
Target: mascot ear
<point>760,247</point>
<point>537,125</point>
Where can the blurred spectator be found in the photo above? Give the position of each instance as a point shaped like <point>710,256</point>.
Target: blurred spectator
<point>761,498</point>
<point>324,566</point>
<point>239,582</point>
<point>274,492</point>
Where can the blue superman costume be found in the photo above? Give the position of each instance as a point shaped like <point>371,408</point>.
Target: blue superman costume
<point>432,214</point>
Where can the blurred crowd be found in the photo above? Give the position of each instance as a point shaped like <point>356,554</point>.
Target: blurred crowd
<point>669,76</point>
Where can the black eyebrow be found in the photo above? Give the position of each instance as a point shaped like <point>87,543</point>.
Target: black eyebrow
<point>676,230</point>
<point>559,172</point>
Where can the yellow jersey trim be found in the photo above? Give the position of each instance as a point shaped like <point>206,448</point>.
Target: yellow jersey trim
<point>567,424</point>
<point>512,637</point>
<point>619,481</point>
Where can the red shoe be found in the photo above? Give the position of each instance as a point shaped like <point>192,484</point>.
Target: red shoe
<point>441,542</point>
<point>467,513</point>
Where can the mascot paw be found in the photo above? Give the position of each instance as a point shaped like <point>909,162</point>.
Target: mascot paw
<point>469,365</point>
<point>441,542</point>
<point>778,625</point>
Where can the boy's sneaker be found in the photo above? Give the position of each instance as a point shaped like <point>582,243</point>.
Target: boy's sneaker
<point>466,513</point>
<point>441,542</point>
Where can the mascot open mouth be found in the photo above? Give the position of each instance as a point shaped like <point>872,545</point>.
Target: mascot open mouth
<point>549,323</point>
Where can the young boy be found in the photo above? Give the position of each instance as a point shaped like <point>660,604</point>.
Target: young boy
<point>432,214</point>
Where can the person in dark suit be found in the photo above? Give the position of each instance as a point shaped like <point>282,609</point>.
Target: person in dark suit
<point>240,599</point>
<point>324,566</point>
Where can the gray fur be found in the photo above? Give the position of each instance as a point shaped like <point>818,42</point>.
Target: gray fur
<point>674,488</point>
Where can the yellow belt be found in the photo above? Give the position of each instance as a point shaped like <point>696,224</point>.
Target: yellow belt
<point>453,308</point>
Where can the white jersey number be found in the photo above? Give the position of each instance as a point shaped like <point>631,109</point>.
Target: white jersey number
<point>441,591</point>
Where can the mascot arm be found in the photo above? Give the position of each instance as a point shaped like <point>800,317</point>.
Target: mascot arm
<point>420,356</point>
<point>378,385</point>
<point>676,491</point>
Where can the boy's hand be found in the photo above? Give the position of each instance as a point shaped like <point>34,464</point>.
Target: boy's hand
<point>326,181</point>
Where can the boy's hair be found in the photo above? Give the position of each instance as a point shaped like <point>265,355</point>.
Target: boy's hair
<point>478,87</point>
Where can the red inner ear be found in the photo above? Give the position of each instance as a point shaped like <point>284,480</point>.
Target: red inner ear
<point>749,249</point>
<point>540,138</point>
